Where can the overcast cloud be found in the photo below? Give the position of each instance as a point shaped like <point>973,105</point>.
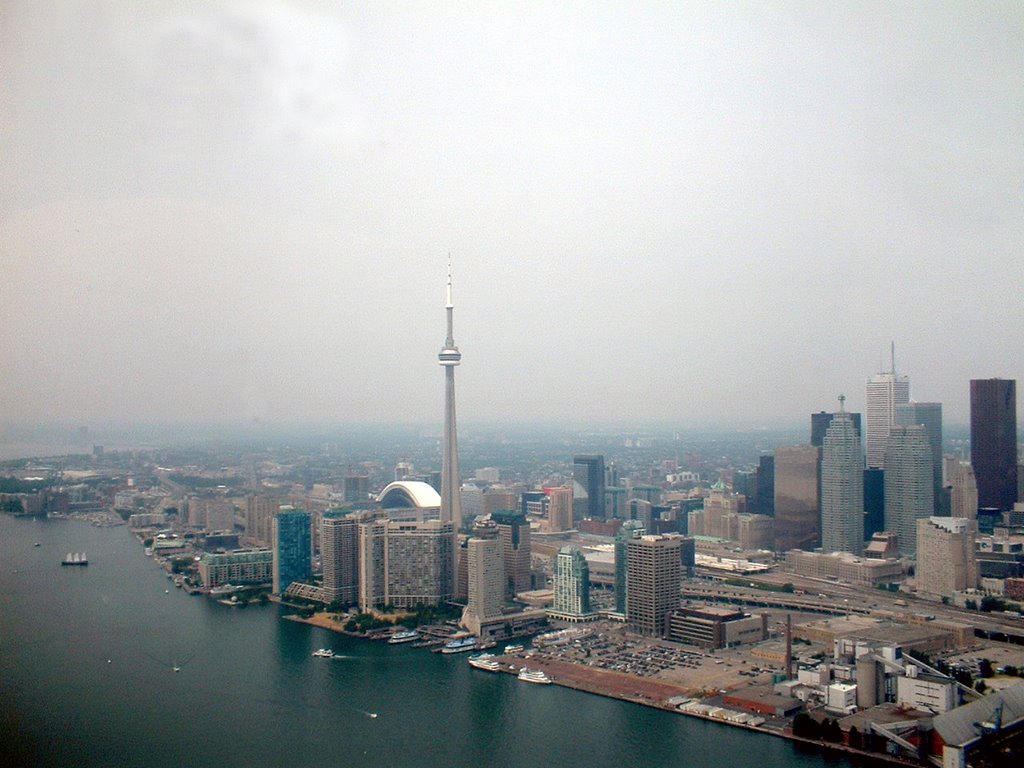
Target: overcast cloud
<point>698,213</point>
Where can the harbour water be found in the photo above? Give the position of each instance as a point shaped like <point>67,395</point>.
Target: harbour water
<point>87,674</point>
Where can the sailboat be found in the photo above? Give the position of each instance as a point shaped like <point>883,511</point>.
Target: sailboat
<point>75,558</point>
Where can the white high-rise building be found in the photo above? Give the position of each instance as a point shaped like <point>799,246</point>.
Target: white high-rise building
<point>485,581</point>
<point>909,492</point>
<point>946,559</point>
<point>572,583</point>
<point>842,487</point>
<point>885,391</point>
<point>964,492</point>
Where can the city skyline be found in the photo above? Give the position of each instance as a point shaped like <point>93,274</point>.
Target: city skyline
<point>246,221</point>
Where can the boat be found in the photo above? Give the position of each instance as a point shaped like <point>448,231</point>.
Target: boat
<point>37,544</point>
<point>514,648</point>
<point>485,661</point>
<point>404,637</point>
<point>534,676</point>
<point>460,646</point>
<point>324,653</point>
<point>75,558</point>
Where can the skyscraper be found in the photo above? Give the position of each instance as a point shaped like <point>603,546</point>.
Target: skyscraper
<point>797,502</point>
<point>964,493</point>
<point>820,422</point>
<point>514,534</point>
<point>946,560</point>
<point>653,576</point>
<point>588,472</point>
<point>419,563</point>
<point>885,391</point>
<point>928,415</point>
<point>339,556</point>
<point>909,494</point>
<point>292,537</point>
<point>449,357</point>
<point>572,583</point>
<point>842,487</point>
<point>631,529</point>
<point>485,580</point>
<point>994,441</point>
<point>560,509</point>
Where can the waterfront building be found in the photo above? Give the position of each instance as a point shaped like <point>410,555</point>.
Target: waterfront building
<point>929,416</point>
<point>292,546</point>
<point>560,509</point>
<point>631,529</point>
<point>964,492</point>
<point>884,392</point>
<point>842,487</point>
<point>485,568</point>
<point>419,563</point>
<point>237,568</point>
<point>339,556</point>
<point>711,626</point>
<point>653,578</point>
<point>909,493</point>
<point>372,550</point>
<point>797,505</point>
<point>451,482</point>
<point>572,584</point>
<point>946,559</point>
<point>588,490</point>
<point>514,534</point>
<point>994,441</point>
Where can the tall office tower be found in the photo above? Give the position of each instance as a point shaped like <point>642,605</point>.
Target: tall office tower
<point>499,499</point>
<point>293,548</point>
<point>615,502</point>
<point>946,559</point>
<point>419,563</point>
<point>874,501</point>
<point>797,503</point>
<point>928,415</point>
<point>514,534</point>
<point>908,483</point>
<point>572,583</point>
<point>611,475</point>
<point>372,553</point>
<point>356,488</point>
<point>766,485</point>
<point>820,422</point>
<point>449,357</point>
<point>720,510</point>
<point>472,502</point>
<point>653,576</point>
<point>994,441</point>
<point>588,472</point>
<point>638,509</point>
<point>485,581</point>
<point>560,509</point>
<point>964,492</point>
<point>631,529</point>
<point>339,556</point>
<point>842,487</point>
<point>885,392</point>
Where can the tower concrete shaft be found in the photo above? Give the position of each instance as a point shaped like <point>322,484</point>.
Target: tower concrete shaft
<point>449,357</point>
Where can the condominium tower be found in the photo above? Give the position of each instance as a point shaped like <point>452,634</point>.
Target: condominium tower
<point>842,487</point>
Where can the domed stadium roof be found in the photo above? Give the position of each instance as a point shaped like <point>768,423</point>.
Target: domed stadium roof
<point>409,494</point>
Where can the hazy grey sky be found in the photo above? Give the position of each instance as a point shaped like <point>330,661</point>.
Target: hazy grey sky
<point>714,213</point>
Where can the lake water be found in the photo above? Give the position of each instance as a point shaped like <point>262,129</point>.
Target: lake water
<point>86,678</point>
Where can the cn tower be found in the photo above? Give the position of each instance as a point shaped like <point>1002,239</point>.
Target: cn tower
<point>449,357</point>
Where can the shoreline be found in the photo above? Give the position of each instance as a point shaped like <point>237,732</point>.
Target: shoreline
<point>560,675</point>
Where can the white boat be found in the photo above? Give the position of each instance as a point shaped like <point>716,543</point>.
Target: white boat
<point>534,676</point>
<point>514,648</point>
<point>404,637</point>
<point>324,653</point>
<point>461,646</point>
<point>75,558</point>
<point>485,661</point>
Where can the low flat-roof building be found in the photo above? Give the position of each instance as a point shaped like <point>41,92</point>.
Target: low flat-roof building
<point>844,567</point>
<point>712,626</point>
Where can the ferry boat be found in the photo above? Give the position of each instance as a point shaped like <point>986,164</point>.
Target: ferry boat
<point>74,558</point>
<point>514,648</point>
<point>324,653</point>
<point>404,637</point>
<point>534,676</point>
<point>485,661</point>
<point>460,646</point>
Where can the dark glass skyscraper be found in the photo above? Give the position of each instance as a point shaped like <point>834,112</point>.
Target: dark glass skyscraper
<point>820,422</point>
<point>994,441</point>
<point>293,548</point>
<point>588,471</point>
